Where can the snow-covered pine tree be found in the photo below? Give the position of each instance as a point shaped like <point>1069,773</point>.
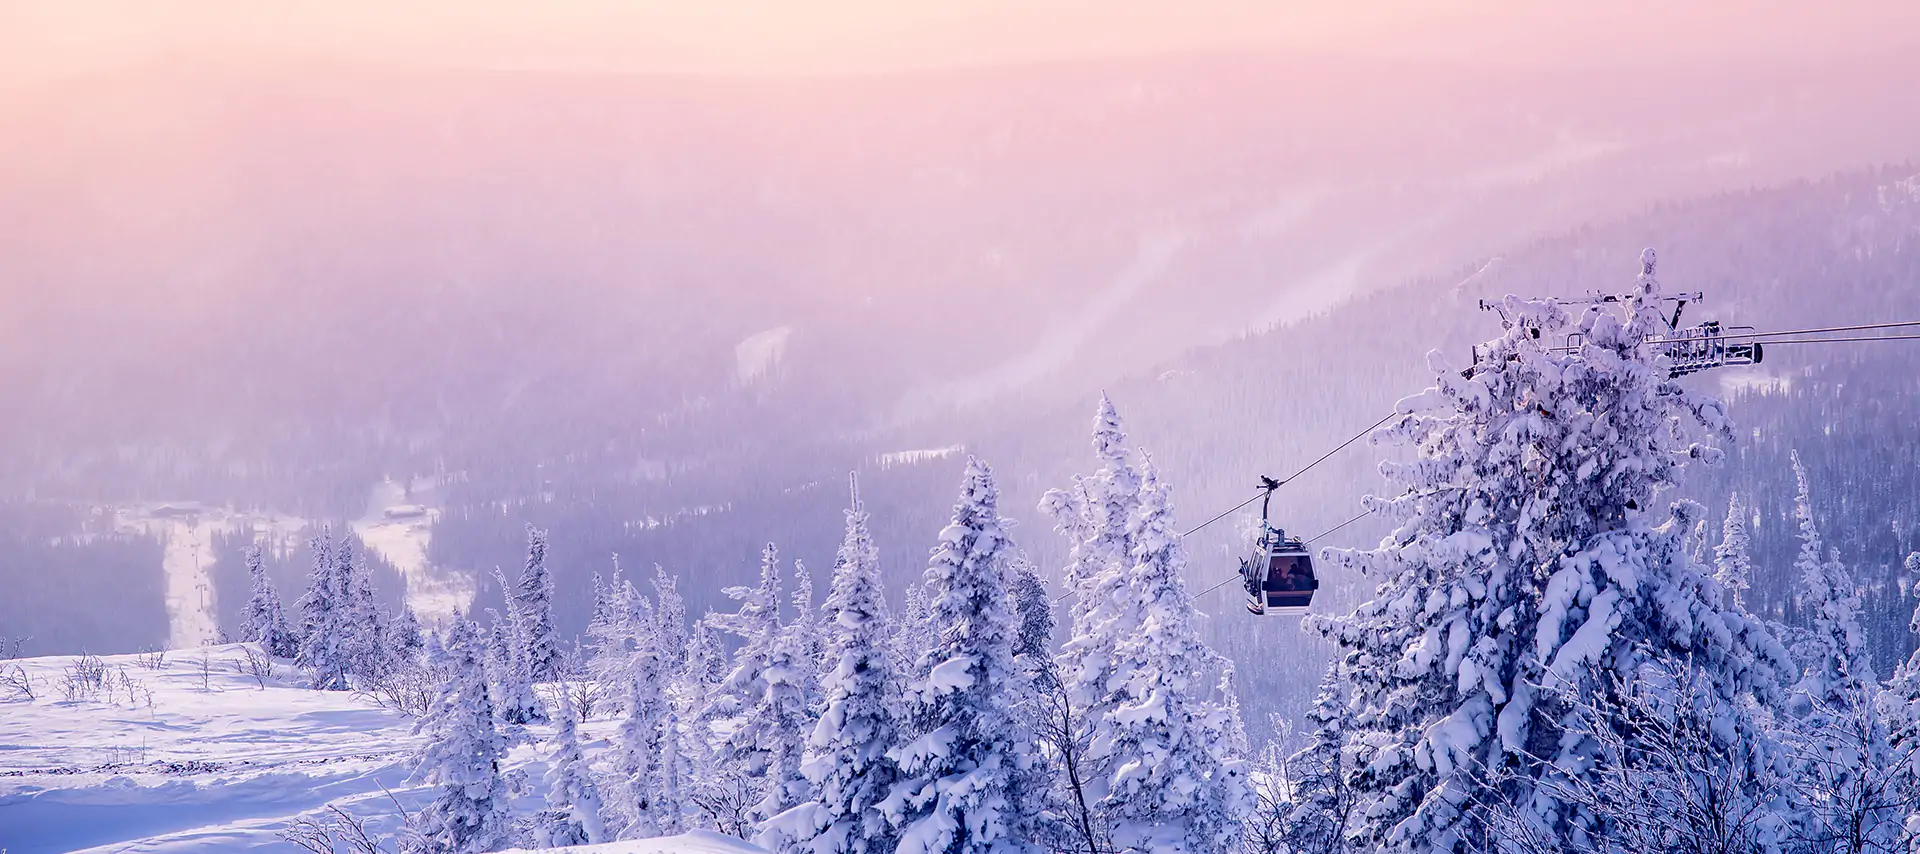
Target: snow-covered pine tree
<point>1233,726</point>
<point>1035,609</point>
<point>540,651</point>
<point>1174,787</point>
<point>1095,516</point>
<point>601,592</point>
<point>405,639</point>
<point>809,637</point>
<point>324,644</point>
<point>265,623</point>
<point>971,779</point>
<point>643,729</point>
<point>705,668</point>
<point>713,789</point>
<point>605,639</point>
<point>573,813</point>
<point>913,633</point>
<point>1900,702</point>
<point>733,779</point>
<point>1839,674</point>
<point>364,625</point>
<point>513,691</point>
<point>670,619</point>
<point>603,613</point>
<point>611,635</point>
<point>1315,810</point>
<point>1732,565</point>
<point>674,778</point>
<point>846,764</point>
<point>1529,555</point>
<point>461,759</point>
<point>780,718</point>
<point>1841,743</point>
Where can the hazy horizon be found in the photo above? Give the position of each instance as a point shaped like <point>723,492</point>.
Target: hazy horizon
<point>49,42</point>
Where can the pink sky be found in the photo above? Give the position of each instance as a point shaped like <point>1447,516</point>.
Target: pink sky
<point>39,40</point>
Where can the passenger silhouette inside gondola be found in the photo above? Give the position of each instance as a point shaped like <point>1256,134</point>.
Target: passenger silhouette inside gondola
<point>1287,574</point>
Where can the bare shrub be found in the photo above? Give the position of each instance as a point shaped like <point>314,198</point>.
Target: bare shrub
<point>151,658</point>
<point>254,663</point>
<point>325,835</point>
<point>84,679</point>
<point>126,754</point>
<point>205,668</point>
<point>407,687</point>
<point>11,647</point>
<point>587,695</point>
<point>18,685</point>
<point>118,686</point>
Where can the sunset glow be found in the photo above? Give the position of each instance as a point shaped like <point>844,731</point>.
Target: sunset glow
<point>824,36</point>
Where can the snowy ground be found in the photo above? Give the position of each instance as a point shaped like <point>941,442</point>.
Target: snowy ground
<point>168,761</point>
<point>697,842</point>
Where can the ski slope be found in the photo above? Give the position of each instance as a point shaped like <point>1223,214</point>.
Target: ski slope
<point>193,755</point>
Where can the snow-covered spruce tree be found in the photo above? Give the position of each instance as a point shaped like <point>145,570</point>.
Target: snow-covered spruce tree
<point>1232,726</point>
<point>1531,563</point>
<point>1314,811</point>
<point>1900,702</point>
<point>513,691</point>
<point>265,622</point>
<point>1840,671</point>
<point>732,780</point>
<point>1732,564</point>
<point>847,767</point>
<point>703,706</point>
<point>462,756</point>
<point>366,628</point>
<point>705,669</point>
<point>809,637</point>
<point>405,639</point>
<point>1840,744</point>
<point>1034,607</point>
<point>780,720</point>
<point>573,813</point>
<point>1174,788</point>
<point>617,610</point>
<point>324,644</point>
<point>971,778</point>
<point>913,633</point>
<point>532,610</point>
<point>670,619</point>
<point>605,609</point>
<point>1095,516</point>
<point>674,778</point>
<point>1899,707</point>
<point>643,729</point>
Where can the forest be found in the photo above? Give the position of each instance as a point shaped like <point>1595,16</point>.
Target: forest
<point>1559,652</point>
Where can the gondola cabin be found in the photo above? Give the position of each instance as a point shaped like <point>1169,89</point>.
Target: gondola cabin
<point>1279,575</point>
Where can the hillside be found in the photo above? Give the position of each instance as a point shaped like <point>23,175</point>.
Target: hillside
<point>164,758</point>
